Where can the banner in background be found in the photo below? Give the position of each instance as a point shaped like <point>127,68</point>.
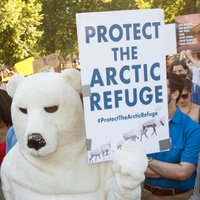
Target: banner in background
<point>46,64</point>
<point>188,32</point>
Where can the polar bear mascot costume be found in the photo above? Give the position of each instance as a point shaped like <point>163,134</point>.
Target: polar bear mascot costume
<point>49,161</point>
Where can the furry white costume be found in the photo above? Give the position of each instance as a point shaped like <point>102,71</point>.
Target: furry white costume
<point>49,160</point>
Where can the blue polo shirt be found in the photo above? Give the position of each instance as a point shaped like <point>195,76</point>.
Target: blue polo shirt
<point>185,147</point>
<point>10,139</point>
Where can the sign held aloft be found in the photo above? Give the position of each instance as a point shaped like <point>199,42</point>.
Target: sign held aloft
<point>123,74</point>
<point>47,63</point>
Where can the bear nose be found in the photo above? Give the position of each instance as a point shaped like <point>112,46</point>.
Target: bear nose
<point>36,141</point>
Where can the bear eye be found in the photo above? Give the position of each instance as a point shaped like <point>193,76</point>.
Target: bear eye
<point>51,109</point>
<point>23,110</point>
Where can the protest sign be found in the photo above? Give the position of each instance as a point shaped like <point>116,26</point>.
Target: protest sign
<point>188,32</point>
<point>25,67</point>
<point>46,64</point>
<point>123,72</point>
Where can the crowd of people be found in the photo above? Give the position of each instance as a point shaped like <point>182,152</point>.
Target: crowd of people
<point>170,174</point>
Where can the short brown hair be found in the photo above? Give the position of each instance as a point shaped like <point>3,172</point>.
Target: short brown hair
<point>187,85</point>
<point>175,83</point>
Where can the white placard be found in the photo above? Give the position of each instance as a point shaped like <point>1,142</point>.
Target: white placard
<point>123,71</point>
<point>170,42</point>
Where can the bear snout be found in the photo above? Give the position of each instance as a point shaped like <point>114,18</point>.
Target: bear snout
<point>36,141</point>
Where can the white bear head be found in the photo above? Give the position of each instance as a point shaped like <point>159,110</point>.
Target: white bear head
<point>46,111</point>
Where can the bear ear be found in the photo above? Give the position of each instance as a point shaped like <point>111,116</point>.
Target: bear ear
<point>74,78</point>
<point>13,83</point>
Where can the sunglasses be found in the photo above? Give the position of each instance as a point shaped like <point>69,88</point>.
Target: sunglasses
<point>184,96</point>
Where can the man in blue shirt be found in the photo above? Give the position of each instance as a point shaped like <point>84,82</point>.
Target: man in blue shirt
<point>171,174</point>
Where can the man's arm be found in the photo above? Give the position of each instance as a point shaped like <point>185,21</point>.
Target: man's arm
<point>151,174</point>
<point>181,171</point>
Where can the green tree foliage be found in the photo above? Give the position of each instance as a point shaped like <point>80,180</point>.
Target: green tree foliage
<point>59,27</point>
<point>59,24</point>
<point>190,7</point>
<point>122,5</point>
<point>172,8</point>
<point>19,21</point>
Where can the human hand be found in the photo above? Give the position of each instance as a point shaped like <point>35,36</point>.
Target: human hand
<point>188,53</point>
<point>182,54</point>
